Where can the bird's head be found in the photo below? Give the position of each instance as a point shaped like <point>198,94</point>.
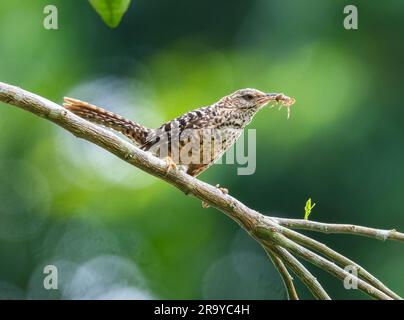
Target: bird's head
<point>252,99</point>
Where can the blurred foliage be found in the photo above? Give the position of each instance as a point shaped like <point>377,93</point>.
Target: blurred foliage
<point>111,11</point>
<point>114,231</point>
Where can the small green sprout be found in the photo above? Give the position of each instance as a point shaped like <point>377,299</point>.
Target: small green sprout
<point>307,209</point>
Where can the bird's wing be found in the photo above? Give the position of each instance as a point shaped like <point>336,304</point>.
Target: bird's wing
<point>171,131</point>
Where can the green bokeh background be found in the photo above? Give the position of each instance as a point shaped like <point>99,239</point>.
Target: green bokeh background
<point>116,232</point>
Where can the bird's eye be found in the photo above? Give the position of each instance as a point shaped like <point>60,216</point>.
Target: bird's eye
<point>248,97</point>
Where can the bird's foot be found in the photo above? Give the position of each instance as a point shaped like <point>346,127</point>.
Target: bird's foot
<point>205,205</point>
<point>224,190</point>
<point>170,164</point>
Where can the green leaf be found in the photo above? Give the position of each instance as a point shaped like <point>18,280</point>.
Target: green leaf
<point>307,209</point>
<point>111,11</point>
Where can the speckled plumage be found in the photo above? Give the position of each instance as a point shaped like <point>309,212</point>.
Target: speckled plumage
<point>224,119</point>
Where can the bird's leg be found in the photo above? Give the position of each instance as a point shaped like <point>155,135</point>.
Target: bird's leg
<point>224,190</point>
<point>170,164</point>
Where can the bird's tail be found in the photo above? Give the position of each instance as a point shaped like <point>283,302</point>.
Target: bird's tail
<point>132,130</point>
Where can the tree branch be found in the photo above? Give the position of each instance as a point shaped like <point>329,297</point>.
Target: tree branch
<point>338,258</point>
<point>322,263</point>
<point>284,273</point>
<point>300,270</point>
<point>341,228</point>
<point>280,242</point>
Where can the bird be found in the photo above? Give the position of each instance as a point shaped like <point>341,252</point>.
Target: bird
<point>211,130</point>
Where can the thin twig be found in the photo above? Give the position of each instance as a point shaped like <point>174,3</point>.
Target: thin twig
<point>339,259</point>
<point>301,272</point>
<point>319,261</point>
<point>328,228</point>
<point>284,273</point>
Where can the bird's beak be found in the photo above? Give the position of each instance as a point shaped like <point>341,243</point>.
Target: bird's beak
<point>269,97</point>
<point>273,96</point>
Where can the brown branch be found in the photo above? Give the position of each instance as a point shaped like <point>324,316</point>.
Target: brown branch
<point>324,264</point>
<point>272,233</point>
<point>283,272</point>
<point>300,271</point>
<point>328,228</point>
<point>339,259</point>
